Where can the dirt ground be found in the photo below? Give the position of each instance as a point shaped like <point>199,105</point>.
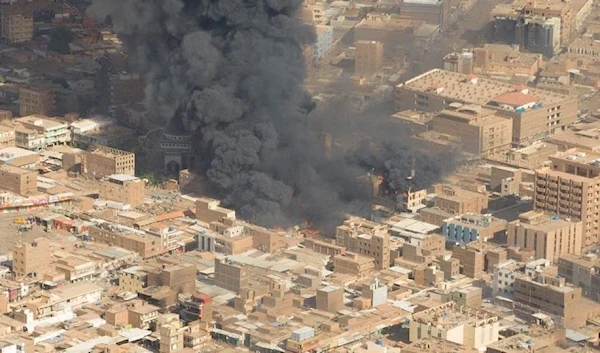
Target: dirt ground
<point>10,234</point>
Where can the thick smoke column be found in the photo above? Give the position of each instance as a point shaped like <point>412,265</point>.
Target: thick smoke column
<point>232,72</point>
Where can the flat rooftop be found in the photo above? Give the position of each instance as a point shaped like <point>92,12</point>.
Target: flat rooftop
<point>481,91</point>
<point>41,121</point>
<point>541,222</point>
<point>578,156</point>
<point>109,152</point>
<point>14,170</point>
<point>123,177</point>
<point>9,153</point>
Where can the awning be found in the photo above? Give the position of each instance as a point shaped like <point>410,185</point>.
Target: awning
<point>227,333</point>
<point>270,346</point>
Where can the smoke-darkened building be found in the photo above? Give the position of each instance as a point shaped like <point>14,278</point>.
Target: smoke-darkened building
<point>539,35</point>
<point>176,147</point>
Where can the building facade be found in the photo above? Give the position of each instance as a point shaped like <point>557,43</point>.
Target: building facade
<point>364,237</point>
<point>566,189</point>
<point>123,188</point>
<point>482,132</point>
<point>18,180</point>
<point>550,237</point>
<point>103,161</point>
<point>38,99</point>
<point>32,259</point>
<point>535,113</point>
<point>368,58</point>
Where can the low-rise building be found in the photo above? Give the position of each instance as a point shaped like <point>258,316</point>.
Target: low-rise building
<point>19,157</point>
<point>76,269</point>
<point>71,296</point>
<point>455,324</point>
<point>354,264</point>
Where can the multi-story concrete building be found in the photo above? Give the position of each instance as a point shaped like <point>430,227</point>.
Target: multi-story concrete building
<point>133,279</point>
<point>354,264</point>
<point>585,45</point>
<point>69,297</point>
<point>508,18</point>
<point>29,139</point>
<point>482,132</point>
<point>368,58</point>
<point>472,227</point>
<point>535,113</point>
<point>127,238</point>
<point>364,237</point>
<point>459,62</point>
<point>323,44</point>
<point>472,260</point>
<point>449,322</point>
<point>18,180</point>
<point>569,189</point>
<point>103,161</point>
<point>540,34</point>
<point>76,269</point>
<point>32,259</point>
<point>7,136</point>
<point>208,211</point>
<point>582,271</point>
<point>171,338</point>
<point>551,295</point>
<point>457,201</point>
<point>17,28</point>
<point>330,298</point>
<point>231,241</point>
<point>503,277</point>
<point>123,188</point>
<point>37,99</point>
<point>231,276</point>
<point>505,59</point>
<point>550,237</point>
<point>433,12</point>
<point>16,21</point>
<point>55,132</point>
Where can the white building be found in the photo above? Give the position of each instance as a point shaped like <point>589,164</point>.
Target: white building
<point>55,132</point>
<point>323,44</point>
<point>503,280</point>
<point>455,324</point>
<point>12,346</point>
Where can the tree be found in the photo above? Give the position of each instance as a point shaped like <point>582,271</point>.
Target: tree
<point>59,40</point>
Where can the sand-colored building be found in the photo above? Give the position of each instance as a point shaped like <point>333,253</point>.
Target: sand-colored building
<point>103,161</point>
<point>550,237</point>
<point>535,113</point>
<point>482,132</point>
<point>123,188</point>
<point>564,188</point>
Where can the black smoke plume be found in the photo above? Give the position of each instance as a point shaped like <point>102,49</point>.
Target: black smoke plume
<point>232,72</point>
